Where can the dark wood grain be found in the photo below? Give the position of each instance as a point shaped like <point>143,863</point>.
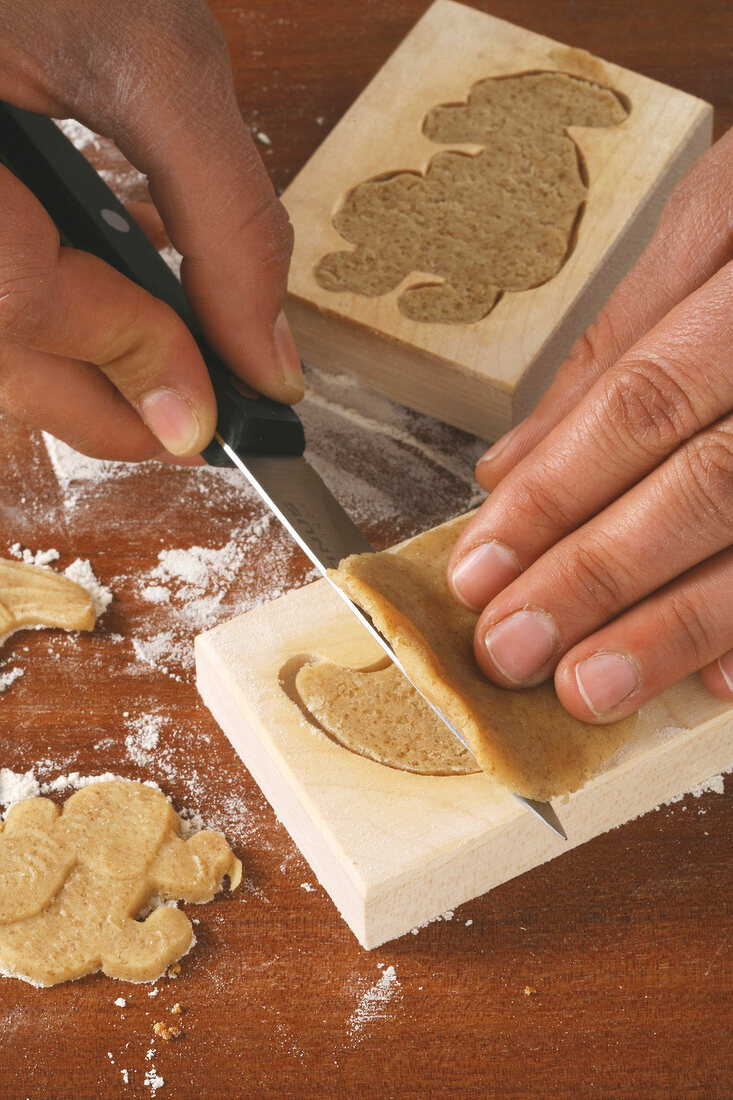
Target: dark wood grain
<point>626,940</point>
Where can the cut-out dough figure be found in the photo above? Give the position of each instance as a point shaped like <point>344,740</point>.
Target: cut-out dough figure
<point>31,596</point>
<point>500,220</point>
<point>72,882</point>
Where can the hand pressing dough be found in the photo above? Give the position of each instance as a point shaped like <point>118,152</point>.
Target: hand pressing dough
<point>524,739</point>
<point>378,714</point>
<point>72,882</point>
<point>31,596</point>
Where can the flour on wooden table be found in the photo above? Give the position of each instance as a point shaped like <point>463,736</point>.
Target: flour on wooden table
<point>8,676</point>
<point>28,557</point>
<point>373,1004</point>
<point>143,739</point>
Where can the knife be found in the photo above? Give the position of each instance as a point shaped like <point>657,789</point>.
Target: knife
<point>262,438</point>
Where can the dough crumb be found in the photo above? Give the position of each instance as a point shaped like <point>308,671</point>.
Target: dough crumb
<point>121,1002</point>
<point>529,990</point>
<point>167,1031</point>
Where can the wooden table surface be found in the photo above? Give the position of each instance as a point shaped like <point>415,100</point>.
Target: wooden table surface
<point>625,941</point>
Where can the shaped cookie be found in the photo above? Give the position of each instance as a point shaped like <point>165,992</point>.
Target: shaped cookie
<point>72,883</point>
<point>31,596</point>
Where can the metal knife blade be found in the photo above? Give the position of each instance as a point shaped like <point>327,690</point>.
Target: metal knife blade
<point>294,492</point>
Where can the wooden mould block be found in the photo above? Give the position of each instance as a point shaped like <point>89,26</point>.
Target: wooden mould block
<point>393,848</point>
<point>484,376</point>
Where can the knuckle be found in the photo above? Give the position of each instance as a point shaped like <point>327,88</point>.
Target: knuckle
<point>683,622</point>
<point>646,409</point>
<point>597,582</point>
<point>536,500</point>
<point>584,361</point>
<point>707,476</point>
<point>23,306</point>
<point>268,222</point>
<point>177,59</point>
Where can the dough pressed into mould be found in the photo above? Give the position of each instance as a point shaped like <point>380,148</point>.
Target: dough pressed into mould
<point>31,596</point>
<point>524,739</point>
<point>73,881</point>
<point>481,224</point>
<point>378,714</point>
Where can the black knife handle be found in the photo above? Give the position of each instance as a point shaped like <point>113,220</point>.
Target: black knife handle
<point>90,217</point>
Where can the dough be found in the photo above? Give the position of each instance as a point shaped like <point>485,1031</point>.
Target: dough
<point>72,882</point>
<point>31,596</point>
<point>524,739</point>
<point>502,219</point>
<point>378,714</point>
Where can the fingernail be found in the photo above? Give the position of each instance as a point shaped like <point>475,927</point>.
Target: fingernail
<point>287,354</point>
<point>725,664</point>
<point>498,448</point>
<point>483,573</point>
<point>171,419</point>
<point>605,680</point>
<point>522,644</point>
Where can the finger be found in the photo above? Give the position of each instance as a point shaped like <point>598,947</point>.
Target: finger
<point>71,304</point>
<point>691,242</point>
<point>56,395</point>
<point>185,132</point>
<point>150,221</point>
<point>718,676</point>
<point>676,518</point>
<point>674,382</point>
<point>674,633</point>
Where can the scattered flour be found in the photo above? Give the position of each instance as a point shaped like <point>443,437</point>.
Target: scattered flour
<point>714,785</point>
<point>153,1080</point>
<point>307,887</point>
<point>373,1003</point>
<point>15,786</point>
<point>41,558</point>
<point>82,573</point>
<point>448,915</point>
<point>9,677</point>
<point>78,133</point>
<point>144,737</point>
<point>155,593</point>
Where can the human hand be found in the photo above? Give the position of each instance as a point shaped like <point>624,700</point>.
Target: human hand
<point>603,554</point>
<point>85,353</point>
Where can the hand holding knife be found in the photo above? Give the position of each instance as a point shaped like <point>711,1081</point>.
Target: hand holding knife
<point>262,438</point>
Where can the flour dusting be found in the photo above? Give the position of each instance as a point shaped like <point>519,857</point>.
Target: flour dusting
<point>144,738</point>
<point>9,676</point>
<point>373,1003</point>
<point>81,572</point>
<point>40,558</point>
